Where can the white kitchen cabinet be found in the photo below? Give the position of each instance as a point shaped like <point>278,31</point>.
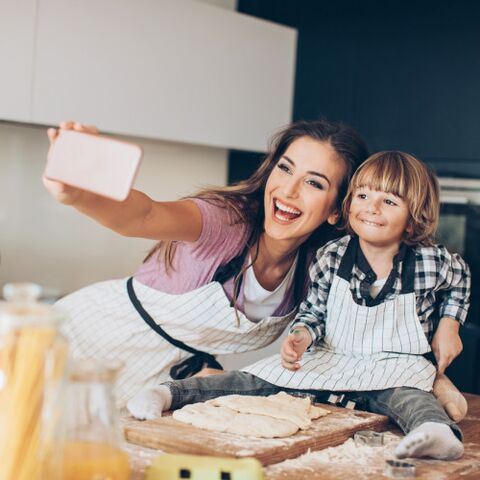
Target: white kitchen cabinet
<point>17,32</point>
<point>175,70</point>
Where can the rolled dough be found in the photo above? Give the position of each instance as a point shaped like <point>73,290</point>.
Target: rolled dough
<point>224,419</point>
<point>278,415</point>
<point>281,405</point>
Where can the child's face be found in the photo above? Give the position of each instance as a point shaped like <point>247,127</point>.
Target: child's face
<point>301,192</point>
<point>378,218</point>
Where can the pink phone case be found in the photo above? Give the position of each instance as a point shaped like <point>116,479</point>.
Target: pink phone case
<point>98,164</point>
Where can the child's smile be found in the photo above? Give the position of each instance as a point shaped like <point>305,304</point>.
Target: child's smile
<point>373,224</point>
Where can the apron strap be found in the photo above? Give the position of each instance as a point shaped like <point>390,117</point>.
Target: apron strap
<point>187,367</point>
<point>348,260</point>
<point>408,271</point>
<point>230,269</point>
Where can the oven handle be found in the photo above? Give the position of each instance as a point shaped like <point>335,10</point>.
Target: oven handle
<point>454,200</point>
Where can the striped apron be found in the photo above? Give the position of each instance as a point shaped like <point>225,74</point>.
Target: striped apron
<point>365,347</point>
<point>104,324</point>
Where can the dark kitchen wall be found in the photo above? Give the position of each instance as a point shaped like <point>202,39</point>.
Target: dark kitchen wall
<point>405,73</point>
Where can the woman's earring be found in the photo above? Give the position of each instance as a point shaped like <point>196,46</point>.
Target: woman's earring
<point>333,218</point>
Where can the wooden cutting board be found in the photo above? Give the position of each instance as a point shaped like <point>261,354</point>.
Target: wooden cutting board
<point>169,435</point>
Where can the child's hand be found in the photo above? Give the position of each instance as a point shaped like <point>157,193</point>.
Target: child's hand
<point>446,343</point>
<point>293,348</point>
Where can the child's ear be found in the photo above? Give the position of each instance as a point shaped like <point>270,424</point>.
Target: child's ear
<point>333,217</point>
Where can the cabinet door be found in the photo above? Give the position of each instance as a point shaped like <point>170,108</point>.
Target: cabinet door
<point>175,70</point>
<point>17,27</point>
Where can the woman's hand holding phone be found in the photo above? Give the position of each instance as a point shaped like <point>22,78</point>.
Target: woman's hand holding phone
<point>102,165</point>
<point>62,192</point>
<point>94,174</point>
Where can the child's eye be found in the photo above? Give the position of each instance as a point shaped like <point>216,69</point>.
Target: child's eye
<point>284,167</point>
<point>315,184</point>
<point>362,196</point>
<point>388,201</point>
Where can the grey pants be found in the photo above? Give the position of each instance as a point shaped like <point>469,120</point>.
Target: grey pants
<point>407,407</point>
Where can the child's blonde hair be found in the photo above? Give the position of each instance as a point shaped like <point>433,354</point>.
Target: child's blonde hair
<point>408,178</point>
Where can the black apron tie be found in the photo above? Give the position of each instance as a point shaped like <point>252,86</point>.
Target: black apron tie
<point>187,367</point>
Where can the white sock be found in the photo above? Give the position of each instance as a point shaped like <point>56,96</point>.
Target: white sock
<point>149,403</point>
<point>431,439</point>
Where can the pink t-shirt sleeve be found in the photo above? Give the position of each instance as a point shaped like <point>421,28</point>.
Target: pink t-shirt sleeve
<point>195,263</point>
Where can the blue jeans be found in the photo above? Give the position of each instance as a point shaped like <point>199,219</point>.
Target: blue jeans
<point>407,407</point>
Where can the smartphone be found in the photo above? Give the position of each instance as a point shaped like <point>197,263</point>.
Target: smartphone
<point>101,165</point>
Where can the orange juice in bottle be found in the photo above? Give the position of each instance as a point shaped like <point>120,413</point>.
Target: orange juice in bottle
<point>89,461</point>
<point>92,439</point>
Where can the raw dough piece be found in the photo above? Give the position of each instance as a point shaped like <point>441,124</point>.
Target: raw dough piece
<point>223,419</point>
<point>281,406</point>
<point>317,412</point>
<point>300,402</point>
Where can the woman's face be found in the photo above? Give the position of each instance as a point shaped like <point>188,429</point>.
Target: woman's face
<point>301,192</point>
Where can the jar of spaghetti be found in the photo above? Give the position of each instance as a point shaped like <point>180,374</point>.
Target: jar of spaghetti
<point>33,358</point>
<point>92,438</point>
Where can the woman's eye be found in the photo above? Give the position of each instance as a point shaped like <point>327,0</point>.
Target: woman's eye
<point>284,167</point>
<point>315,184</point>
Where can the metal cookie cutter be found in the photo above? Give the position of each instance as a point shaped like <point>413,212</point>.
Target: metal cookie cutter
<point>341,401</point>
<point>399,469</point>
<point>368,437</point>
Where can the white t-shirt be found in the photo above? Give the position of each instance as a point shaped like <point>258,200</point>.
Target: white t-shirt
<point>376,287</point>
<point>260,303</point>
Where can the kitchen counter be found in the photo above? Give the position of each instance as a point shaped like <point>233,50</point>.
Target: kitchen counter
<point>467,468</point>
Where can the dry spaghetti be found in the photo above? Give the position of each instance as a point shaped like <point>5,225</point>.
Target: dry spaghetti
<point>32,360</point>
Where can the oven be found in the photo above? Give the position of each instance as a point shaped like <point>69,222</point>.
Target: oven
<point>459,231</point>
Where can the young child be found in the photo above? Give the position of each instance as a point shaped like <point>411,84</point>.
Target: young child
<point>367,321</point>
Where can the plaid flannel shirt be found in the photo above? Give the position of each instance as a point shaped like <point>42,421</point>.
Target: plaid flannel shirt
<point>442,281</point>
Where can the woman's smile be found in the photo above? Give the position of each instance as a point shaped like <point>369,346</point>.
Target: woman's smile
<point>285,212</point>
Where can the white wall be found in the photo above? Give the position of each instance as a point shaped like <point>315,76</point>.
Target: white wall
<point>54,245</point>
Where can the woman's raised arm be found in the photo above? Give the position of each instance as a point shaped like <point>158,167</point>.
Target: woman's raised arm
<point>137,216</point>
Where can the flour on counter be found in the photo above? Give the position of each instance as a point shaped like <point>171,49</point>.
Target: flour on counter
<point>347,453</point>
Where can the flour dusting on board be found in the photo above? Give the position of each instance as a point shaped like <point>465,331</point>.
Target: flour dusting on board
<point>347,453</point>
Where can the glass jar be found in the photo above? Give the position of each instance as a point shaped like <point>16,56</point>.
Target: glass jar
<point>92,438</point>
<point>33,357</point>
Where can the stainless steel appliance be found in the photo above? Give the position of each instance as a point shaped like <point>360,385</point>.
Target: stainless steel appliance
<point>459,231</point>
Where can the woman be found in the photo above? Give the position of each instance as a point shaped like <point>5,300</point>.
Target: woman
<point>230,266</point>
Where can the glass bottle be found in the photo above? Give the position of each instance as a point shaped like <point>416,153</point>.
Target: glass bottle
<point>33,358</point>
<point>92,438</point>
